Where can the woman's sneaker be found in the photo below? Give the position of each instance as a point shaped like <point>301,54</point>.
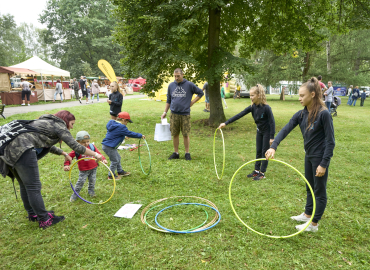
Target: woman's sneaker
<point>301,218</point>
<point>124,173</point>
<point>51,221</point>
<point>260,176</point>
<point>310,227</point>
<point>253,174</point>
<point>33,218</point>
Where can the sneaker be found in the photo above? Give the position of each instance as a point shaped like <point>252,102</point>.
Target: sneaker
<point>92,101</point>
<point>92,194</point>
<point>174,156</point>
<point>73,198</point>
<point>51,221</point>
<point>187,156</point>
<point>29,105</point>
<point>33,218</point>
<point>80,101</point>
<point>117,177</point>
<point>124,173</point>
<point>301,218</point>
<point>23,104</point>
<point>260,176</point>
<point>310,227</point>
<point>87,102</point>
<point>253,174</point>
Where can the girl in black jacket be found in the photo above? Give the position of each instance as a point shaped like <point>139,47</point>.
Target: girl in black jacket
<point>115,100</point>
<point>264,119</point>
<point>318,134</point>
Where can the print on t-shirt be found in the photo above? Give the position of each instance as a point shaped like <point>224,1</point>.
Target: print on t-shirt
<point>179,92</point>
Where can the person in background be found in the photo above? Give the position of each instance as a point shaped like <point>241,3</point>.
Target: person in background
<point>26,91</point>
<point>115,100</point>
<point>58,90</point>
<point>95,89</point>
<point>206,93</point>
<point>363,97</point>
<point>322,86</point>
<point>75,89</point>
<point>349,102</point>
<point>355,95</point>
<point>329,95</point>
<point>223,95</point>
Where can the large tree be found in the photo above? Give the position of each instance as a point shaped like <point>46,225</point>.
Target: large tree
<point>80,32</point>
<point>159,36</point>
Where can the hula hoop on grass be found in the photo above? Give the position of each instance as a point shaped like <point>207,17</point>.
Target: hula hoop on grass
<point>202,230</point>
<point>214,153</point>
<point>150,159</point>
<point>304,178</point>
<point>149,206</point>
<point>192,229</point>
<point>78,195</point>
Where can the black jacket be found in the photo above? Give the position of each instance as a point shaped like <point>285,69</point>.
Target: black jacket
<point>319,139</point>
<point>262,115</point>
<point>116,105</point>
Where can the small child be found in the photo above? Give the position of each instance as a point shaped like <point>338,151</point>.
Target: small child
<point>116,132</point>
<point>264,119</point>
<point>87,167</point>
<point>223,95</point>
<point>115,100</point>
<point>363,97</point>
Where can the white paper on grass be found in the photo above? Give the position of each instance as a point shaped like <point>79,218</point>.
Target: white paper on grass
<point>128,210</point>
<point>162,133</point>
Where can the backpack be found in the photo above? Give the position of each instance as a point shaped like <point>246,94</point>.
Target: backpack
<point>92,148</point>
<point>355,94</point>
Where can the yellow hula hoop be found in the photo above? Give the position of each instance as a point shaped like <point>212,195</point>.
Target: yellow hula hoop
<point>114,181</point>
<point>214,153</point>
<point>304,178</point>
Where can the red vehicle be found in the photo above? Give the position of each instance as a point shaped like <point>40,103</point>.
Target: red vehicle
<point>136,87</point>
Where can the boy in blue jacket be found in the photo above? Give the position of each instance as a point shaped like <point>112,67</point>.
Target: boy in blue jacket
<point>363,97</point>
<point>116,132</point>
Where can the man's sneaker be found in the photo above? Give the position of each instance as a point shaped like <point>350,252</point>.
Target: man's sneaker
<point>174,156</point>
<point>187,156</point>
<point>260,176</point>
<point>80,101</point>
<point>310,227</point>
<point>124,173</point>
<point>33,218</point>
<point>301,218</point>
<point>23,104</point>
<point>51,221</point>
<point>117,177</point>
<point>73,198</point>
<point>253,174</point>
<point>92,194</point>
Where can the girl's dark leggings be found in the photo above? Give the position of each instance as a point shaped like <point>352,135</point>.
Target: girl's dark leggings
<point>318,185</point>
<point>27,174</point>
<point>262,145</point>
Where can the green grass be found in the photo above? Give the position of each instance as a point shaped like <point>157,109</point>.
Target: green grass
<point>91,238</point>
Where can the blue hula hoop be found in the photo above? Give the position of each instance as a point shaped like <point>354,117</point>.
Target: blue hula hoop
<point>173,231</point>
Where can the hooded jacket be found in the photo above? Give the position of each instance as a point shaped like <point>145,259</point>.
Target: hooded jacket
<point>52,129</point>
<point>116,105</point>
<point>179,95</point>
<point>116,133</point>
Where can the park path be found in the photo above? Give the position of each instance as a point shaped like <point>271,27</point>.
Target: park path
<point>51,106</point>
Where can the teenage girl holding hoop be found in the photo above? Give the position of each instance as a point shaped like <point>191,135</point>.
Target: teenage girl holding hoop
<point>317,129</point>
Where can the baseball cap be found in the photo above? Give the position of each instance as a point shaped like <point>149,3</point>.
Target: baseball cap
<point>124,115</point>
<point>82,135</point>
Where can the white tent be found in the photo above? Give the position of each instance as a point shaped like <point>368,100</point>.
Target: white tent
<point>40,66</point>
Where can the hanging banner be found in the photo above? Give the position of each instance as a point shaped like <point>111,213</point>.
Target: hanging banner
<point>107,69</point>
<point>339,91</point>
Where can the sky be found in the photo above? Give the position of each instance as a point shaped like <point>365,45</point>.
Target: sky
<point>24,10</point>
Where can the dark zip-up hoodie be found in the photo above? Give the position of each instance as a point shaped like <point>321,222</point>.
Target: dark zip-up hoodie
<point>319,139</point>
<point>179,95</point>
<point>116,133</point>
<point>116,105</point>
<point>262,115</point>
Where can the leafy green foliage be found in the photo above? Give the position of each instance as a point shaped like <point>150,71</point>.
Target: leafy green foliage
<point>80,34</point>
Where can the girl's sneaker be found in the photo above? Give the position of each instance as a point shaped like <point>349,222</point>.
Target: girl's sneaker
<point>51,221</point>
<point>310,227</point>
<point>33,218</point>
<point>301,218</point>
<point>253,174</point>
<point>260,176</point>
<point>92,194</point>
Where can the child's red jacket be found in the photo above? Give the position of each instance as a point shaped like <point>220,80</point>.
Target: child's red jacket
<point>87,164</point>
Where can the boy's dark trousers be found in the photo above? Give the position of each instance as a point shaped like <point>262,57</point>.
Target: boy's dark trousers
<point>362,101</point>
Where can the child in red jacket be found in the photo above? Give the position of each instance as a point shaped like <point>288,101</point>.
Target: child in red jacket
<point>87,167</point>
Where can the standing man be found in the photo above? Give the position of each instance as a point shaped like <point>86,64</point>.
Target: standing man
<point>179,95</point>
<point>205,89</point>
<point>76,88</point>
<point>26,91</point>
<point>83,89</point>
<point>322,85</point>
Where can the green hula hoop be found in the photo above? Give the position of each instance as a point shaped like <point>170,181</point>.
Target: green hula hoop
<point>188,230</point>
<point>273,236</point>
<point>214,153</point>
<point>150,159</point>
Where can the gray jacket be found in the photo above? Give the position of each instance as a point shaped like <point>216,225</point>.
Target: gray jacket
<point>58,88</point>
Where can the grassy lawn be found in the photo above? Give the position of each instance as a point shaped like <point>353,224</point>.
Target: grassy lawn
<point>91,238</point>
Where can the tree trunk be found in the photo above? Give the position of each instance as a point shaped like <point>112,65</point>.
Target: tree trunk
<point>357,62</point>
<point>307,65</point>
<point>328,66</point>
<point>282,95</point>
<point>217,115</point>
